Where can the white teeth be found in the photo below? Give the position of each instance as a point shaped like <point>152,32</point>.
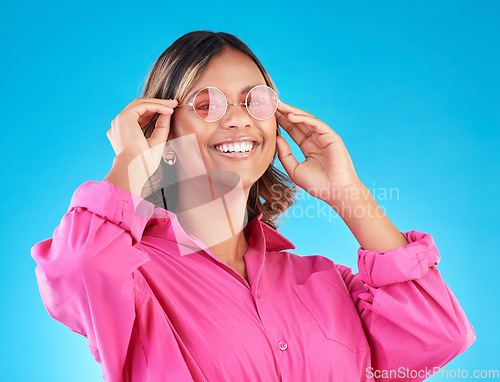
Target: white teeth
<point>240,147</point>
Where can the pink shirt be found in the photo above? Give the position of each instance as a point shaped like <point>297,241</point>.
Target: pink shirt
<point>154,306</point>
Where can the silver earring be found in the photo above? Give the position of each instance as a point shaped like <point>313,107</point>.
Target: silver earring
<point>170,157</point>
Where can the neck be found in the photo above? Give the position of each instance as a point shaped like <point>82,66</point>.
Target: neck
<point>212,207</point>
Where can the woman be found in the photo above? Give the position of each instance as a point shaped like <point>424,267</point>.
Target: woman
<point>172,266</point>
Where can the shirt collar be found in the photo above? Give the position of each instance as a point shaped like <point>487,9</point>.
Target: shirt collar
<point>274,241</point>
<point>166,225</point>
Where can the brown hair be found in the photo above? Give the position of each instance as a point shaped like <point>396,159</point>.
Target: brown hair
<point>171,77</point>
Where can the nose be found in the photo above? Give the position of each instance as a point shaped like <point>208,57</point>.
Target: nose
<point>236,116</point>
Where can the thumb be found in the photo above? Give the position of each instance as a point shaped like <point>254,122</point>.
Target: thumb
<point>286,157</point>
<point>162,128</point>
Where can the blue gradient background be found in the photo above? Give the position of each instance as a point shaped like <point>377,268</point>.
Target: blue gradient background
<point>411,88</point>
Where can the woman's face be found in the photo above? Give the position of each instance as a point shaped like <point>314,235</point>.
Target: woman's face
<point>234,73</point>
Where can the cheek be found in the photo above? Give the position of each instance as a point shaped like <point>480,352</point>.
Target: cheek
<point>181,126</point>
<point>270,135</point>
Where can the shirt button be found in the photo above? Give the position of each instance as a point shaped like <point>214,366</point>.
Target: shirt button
<point>282,345</point>
<point>257,295</point>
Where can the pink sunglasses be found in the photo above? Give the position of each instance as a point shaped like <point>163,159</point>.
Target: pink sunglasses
<point>210,103</point>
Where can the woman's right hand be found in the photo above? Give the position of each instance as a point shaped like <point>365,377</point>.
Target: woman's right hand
<point>129,143</point>
<point>125,133</point>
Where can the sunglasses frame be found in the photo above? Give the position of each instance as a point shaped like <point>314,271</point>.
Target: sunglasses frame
<point>234,104</point>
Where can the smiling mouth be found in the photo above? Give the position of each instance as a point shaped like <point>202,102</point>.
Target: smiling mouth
<point>236,150</point>
<point>239,147</point>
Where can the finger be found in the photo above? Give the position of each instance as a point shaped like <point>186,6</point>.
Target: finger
<point>310,124</point>
<point>293,131</point>
<point>148,108</point>
<point>286,157</point>
<point>149,101</point>
<point>284,109</point>
<point>162,128</point>
<point>167,102</point>
<point>302,129</point>
<point>290,112</point>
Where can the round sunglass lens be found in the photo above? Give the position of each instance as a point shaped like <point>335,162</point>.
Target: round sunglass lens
<point>262,102</point>
<point>210,104</point>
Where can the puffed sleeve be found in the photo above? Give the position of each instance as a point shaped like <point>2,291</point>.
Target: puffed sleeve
<point>85,271</point>
<point>410,316</point>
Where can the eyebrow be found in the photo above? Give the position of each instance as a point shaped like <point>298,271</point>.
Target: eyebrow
<point>246,89</point>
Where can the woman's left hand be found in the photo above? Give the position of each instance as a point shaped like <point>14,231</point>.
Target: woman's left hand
<point>327,169</point>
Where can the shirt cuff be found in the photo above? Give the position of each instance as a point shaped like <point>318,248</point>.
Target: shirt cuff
<point>129,211</point>
<point>409,262</point>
